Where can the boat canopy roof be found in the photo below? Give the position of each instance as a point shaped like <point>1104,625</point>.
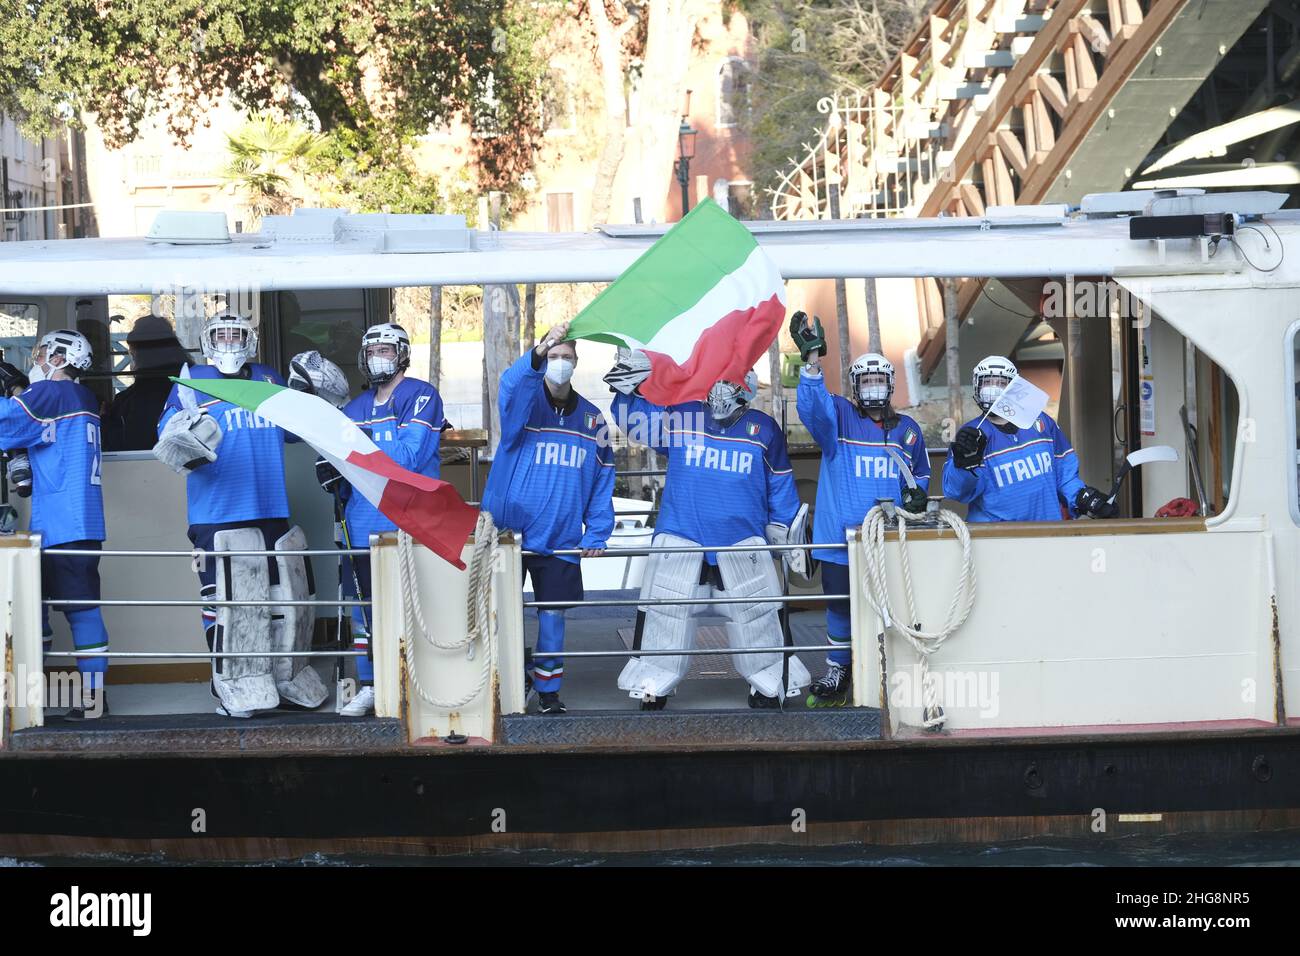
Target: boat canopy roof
<point>333,249</point>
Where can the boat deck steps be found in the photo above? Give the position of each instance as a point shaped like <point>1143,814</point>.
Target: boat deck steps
<point>796,725</point>
<point>211,733</point>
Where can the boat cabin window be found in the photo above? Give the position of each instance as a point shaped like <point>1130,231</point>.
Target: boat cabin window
<point>19,322</point>
<point>1293,400</point>
<point>329,321</point>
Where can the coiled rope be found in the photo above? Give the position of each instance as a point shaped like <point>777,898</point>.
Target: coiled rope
<point>478,611</point>
<point>876,588</point>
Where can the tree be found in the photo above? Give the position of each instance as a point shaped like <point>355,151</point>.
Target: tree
<point>368,74</point>
<point>266,157</point>
<point>811,50</point>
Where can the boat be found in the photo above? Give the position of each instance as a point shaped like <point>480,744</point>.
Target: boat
<point>1112,677</point>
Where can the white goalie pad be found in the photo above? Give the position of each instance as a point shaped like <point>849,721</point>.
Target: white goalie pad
<point>798,562</point>
<point>667,627</point>
<point>752,574</point>
<point>243,683</point>
<point>291,627</point>
<point>188,440</point>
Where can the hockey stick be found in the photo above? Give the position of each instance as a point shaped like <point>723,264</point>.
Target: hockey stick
<point>339,514</point>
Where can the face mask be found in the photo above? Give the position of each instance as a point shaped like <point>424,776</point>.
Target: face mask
<point>873,394</point>
<point>381,369</point>
<point>988,394</point>
<point>723,402</point>
<point>559,371</point>
<point>36,373</point>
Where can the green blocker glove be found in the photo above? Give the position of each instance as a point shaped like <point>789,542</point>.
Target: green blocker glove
<point>808,335</point>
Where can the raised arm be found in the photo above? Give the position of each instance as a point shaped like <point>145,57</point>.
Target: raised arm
<point>817,408</point>
<point>640,420</point>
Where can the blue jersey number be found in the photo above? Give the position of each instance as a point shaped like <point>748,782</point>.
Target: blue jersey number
<point>92,437</point>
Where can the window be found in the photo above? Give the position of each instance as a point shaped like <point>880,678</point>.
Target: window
<point>328,321</point>
<point>733,92</point>
<point>18,324</point>
<point>1293,400</point>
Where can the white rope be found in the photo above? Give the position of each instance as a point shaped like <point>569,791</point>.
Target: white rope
<point>876,588</point>
<point>478,611</point>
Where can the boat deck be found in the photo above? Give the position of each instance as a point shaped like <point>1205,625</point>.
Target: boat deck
<point>710,707</point>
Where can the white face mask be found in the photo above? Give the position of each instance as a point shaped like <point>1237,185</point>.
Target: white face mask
<point>36,374</point>
<point>991,392</point>
<point>559,371</point>
<point>873,393</point>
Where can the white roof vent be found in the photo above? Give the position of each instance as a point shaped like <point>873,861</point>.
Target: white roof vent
<point>1133,202</point>
<point>189,228</point>
<point>315,226</point>
<point>409,233</point>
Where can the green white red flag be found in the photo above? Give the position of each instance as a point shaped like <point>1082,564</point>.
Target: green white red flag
<point>704,303</point>
<point>429,510</point>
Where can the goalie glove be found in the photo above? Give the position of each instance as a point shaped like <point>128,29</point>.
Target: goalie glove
<point>328,476</point>
<point>314,374</point>
<point>629,371</point>
<point>189,440</point>
<point>808,335</point>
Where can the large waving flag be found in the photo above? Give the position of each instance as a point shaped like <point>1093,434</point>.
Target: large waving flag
<point>704,303</point>
<point>427,509</point>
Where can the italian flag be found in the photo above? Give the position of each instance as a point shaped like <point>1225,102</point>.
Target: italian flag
<point>704,303</point>
<point>427,509</point>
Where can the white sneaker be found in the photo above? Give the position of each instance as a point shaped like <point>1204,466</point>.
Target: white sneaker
<point>362,704</point>
<point>243,714</point>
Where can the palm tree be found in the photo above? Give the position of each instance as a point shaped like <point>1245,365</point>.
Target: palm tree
<point>265,156</point>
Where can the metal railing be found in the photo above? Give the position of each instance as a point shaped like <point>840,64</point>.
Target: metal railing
<point>204,655</point>
<point>200,554</point>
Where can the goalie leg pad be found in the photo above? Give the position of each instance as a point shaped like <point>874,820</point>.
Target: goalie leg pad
<point>291,627</point>
<point>243,683</point>
<point>752,574</point>
<point>666,627</point>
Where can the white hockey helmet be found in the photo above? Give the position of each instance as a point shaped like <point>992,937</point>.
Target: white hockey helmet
<point>725,398</point>
<point>228,342</point>
<point>379,370</point>
<point>871,394</point>
<point>71,347</point>
<point>991,376</point>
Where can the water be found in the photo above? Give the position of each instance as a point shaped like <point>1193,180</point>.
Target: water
<point>1250,849</point>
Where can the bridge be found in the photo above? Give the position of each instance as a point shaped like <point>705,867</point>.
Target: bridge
<point>997,103</point>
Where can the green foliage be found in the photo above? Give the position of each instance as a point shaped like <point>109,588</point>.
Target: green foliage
<point>265,157</point>
<point>368,74</point>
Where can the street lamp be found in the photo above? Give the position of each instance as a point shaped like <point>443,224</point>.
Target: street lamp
<point>686,152</point>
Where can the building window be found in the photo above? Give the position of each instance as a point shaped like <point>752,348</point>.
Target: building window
<point>733,92</point>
